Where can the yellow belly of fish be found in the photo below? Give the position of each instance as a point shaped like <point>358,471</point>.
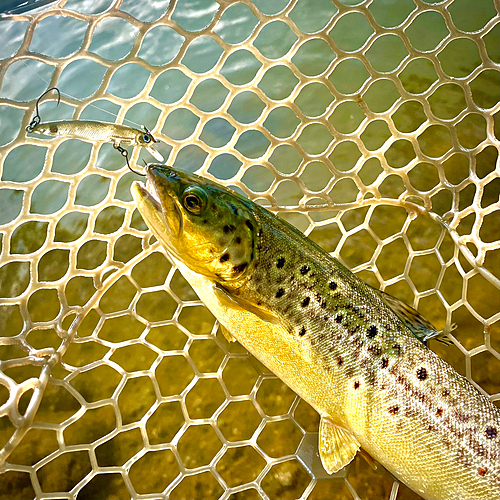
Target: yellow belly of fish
<point>436,474</point>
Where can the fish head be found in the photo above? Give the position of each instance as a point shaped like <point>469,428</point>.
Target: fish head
<point>208,227</point>
<point>49,129</point>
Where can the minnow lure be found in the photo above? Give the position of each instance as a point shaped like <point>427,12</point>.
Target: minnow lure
<point>330,337</point>
<point>95,131</point>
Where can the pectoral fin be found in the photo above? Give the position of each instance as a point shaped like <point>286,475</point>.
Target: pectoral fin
<point>337,447</point>
<point>420,327</point>
<point>236,302</point>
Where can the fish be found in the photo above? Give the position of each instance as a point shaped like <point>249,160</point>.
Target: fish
<point>94,131</point>
<point>330,337</point>
<point>99,131</point>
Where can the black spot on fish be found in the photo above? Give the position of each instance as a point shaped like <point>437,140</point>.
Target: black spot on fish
<point>385,362</point>
<point>53,128</point>
<point>305,302</point>
<point>356,385</point>
<point>280,263</point>
<point>491,432</point>
<point>446,392</point>
<point>280,293</point>
<point>338,318</point>
<point>237,240</point>
<point>482,471</point>
<point>302,331</point>
<point>393,410</point>
<point>249,225</point>
<point>332,285</point>
<point>205,221</point>
<point>304,270</point>
<point>224,257</point>
<point>339,360</point>
<point>229,228</point>
<point>422,373</point>
<point>371,332</point>
<point>397,348</point>
<point>439,412</point>
<point>239,268</point>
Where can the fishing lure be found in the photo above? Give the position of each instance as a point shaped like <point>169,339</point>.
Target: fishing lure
<point>95,131</point>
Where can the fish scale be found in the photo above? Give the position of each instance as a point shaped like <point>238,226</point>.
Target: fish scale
<point>329,336</point>
<point>381,359</point>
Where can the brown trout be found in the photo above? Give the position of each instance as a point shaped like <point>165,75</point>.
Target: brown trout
<point>333,339</point>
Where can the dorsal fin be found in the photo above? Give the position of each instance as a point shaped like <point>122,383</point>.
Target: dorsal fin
<point>419,326</point>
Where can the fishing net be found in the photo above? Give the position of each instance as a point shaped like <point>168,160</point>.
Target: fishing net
<point>372,126</point>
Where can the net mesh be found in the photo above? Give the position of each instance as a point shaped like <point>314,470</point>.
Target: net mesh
<point>373,127</point>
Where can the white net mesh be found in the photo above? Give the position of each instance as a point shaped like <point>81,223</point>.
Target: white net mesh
<point>372,126</point>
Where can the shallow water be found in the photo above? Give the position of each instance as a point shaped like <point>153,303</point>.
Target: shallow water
<point>149,370</point>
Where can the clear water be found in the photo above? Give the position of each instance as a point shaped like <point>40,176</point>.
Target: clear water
<point>178,125</point>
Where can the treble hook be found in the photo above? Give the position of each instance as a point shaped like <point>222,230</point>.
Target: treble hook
<point>124,153</point>
<point>36,119</point>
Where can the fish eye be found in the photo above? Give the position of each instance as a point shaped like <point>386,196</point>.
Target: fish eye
<point>146,138</point>
<point>194,199</point>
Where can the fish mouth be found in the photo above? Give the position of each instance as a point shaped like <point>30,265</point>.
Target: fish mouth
<point>144,196</point>
<point>159,209</point>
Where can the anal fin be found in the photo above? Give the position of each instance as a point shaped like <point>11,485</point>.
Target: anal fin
<point>337,446</point>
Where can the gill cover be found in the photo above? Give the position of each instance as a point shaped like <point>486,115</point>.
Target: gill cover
<point>208,227</point>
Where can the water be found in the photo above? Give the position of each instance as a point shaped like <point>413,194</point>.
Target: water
<point>149,392</point>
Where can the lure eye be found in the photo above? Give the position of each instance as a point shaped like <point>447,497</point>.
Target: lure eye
<point>146,138</point>
<point>194,199</point>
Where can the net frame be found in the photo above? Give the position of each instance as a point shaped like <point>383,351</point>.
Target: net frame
<point>417,203</point>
